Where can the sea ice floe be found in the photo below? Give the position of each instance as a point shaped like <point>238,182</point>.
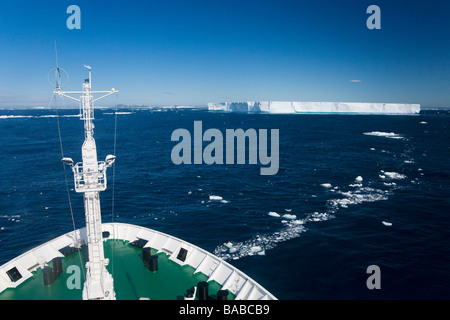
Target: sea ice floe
<point>353,185</point>
<point>258,244</point>
<point>394,175</point>
<point>355,197</point>
<point>256,249</point>
<point>389,184</point>
<point>41,116</point>
<point>12,117</point>
<point>10,217</point>
<point>274,214</point>
<point>232,250</point>
<point>316,216</point>
<point>293,227</point>
<point>390,135</point>
<point>228,244</point>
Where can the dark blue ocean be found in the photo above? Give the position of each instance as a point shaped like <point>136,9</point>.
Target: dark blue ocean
<point>351,191</point>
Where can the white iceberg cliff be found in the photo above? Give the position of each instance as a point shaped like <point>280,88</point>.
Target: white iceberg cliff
<point>316,107</point>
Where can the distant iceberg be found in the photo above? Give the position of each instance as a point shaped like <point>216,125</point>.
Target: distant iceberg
<point>316,107</point>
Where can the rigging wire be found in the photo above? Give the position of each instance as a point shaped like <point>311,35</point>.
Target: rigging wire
<point>56,56</point>
<point>58,86</point>
<point>114,153</point>
<point>113,183</point>
<point>67,182</point>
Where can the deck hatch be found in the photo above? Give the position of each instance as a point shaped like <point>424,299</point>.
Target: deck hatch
<point>14,274</point>
<point>182,254</point>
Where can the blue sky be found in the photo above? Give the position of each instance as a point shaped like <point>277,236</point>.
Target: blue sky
<point>193,52</point>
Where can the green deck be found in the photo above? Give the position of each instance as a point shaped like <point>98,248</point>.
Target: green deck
<point>132,279</point>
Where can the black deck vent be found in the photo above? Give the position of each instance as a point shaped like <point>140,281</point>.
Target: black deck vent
<point>48,276</point>
<point>68,250</point>
<point>151,261</point>
<point>51,274</point>
<point>182,254</point>
<point>202,290</point>
<point>140,243</point>
<point>222,294</point>
<point>14,274</point>
<point>57,266</point>
<point>189,293</point>
<point>106,234</point>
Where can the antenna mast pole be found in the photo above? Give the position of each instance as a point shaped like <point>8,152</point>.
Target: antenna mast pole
<point>90,179</point>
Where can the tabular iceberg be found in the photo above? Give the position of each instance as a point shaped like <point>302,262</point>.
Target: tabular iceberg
<point>316,107</point>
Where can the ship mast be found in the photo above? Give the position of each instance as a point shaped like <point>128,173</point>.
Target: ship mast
<point>90,179</point>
